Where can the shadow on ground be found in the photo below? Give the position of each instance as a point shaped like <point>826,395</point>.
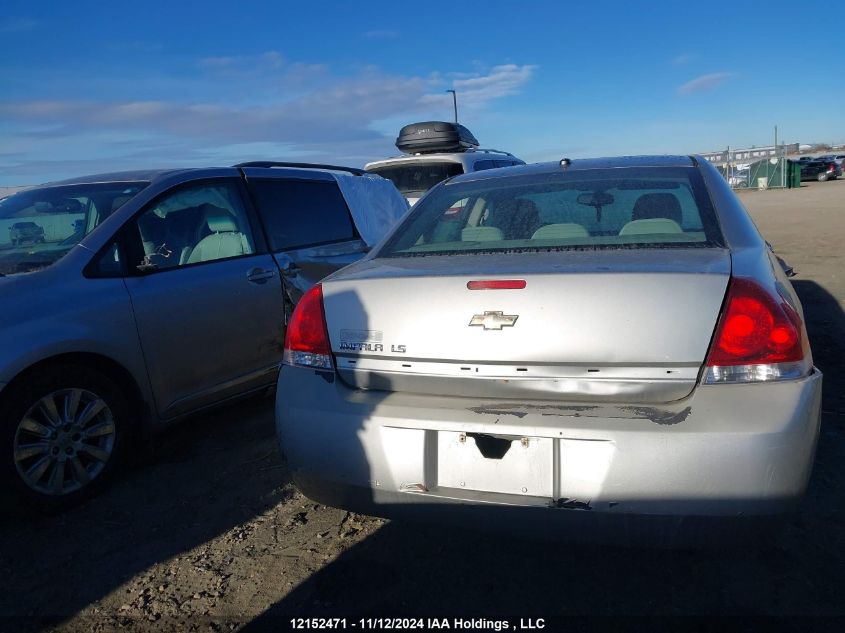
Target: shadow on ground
<point>206,477</point>
<point>405,569</point>
<point>220,472</point>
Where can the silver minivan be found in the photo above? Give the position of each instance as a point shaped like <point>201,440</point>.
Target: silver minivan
<point>154,295</point>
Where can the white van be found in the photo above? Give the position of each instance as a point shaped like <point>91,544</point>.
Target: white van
<point>435,151</point>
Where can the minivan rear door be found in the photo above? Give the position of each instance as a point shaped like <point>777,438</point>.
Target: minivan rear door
<point>309,228</point>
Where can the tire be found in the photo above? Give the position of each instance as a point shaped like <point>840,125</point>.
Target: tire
<point>54,460</point>
<point>822,177</point>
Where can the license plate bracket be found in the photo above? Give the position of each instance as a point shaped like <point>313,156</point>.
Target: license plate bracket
<point>524,468</point>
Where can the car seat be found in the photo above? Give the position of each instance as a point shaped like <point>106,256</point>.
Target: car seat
<point>225,239</point>
<point>657,205</point>
<point>654,213</point>
<point>517,218</point>
<point>560,231</point>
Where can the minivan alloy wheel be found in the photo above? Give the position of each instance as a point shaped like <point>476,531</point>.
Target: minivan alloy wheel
<point>64,441</point>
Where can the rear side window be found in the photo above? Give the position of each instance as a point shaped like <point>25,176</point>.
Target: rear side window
<point>597,208</point>
<point>417,178</point>
<point>481,165</point>
<point>300,213</point>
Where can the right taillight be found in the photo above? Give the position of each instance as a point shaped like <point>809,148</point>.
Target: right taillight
<point>307,339</point>
<point>759,337</point>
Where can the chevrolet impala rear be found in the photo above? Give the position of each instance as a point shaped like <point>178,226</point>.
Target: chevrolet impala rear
<point>589,349</point>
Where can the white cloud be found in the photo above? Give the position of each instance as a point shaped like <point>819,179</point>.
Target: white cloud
<point>382,34</point>
<point>704,83</point>
<point>266,61</point>
<point>303,110</point>
<point>501,81</point>
<point>683,58</point>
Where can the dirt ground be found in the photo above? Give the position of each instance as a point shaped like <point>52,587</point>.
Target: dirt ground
<point>209,534</point>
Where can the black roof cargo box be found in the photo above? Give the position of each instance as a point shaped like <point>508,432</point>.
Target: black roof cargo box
<point>434,136</point>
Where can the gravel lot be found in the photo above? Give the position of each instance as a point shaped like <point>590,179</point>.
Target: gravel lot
<point>209,534</point>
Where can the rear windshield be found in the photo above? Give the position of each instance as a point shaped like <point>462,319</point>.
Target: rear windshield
<point>576,209</point>
<point>417,178</point>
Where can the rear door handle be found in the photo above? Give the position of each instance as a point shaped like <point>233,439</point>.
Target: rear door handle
<point>260,276</point>
<point>288,268</point>
<point>286,264</point>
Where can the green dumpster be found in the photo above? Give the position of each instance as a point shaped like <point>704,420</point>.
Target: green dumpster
<point>771,173</point>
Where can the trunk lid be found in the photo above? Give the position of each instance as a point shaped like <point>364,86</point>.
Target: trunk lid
<point>617,326</point>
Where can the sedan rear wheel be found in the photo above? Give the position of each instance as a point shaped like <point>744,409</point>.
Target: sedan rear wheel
<point>65,431</point>
<point>822,177</point>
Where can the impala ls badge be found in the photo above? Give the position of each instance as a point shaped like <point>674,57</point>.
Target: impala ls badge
<point>494,320</point>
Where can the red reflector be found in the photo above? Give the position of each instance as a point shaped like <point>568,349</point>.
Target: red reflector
<point>756,328</point>
<point>496,284</point>
<point>307,328</point>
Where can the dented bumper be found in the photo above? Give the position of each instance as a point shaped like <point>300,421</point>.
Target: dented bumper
<point>724,452</point>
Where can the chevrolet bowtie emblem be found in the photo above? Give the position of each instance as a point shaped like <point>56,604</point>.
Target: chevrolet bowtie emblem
<point>494,320</point>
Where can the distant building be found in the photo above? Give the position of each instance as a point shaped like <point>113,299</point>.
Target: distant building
<point>751,154</point>
<point>8,191</point>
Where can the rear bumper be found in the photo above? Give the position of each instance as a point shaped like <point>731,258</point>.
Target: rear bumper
<point>728,454</point>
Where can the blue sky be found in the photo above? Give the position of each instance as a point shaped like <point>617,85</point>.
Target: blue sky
<point>95,86</point>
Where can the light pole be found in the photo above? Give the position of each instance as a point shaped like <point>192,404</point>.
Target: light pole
<point>454,103</point>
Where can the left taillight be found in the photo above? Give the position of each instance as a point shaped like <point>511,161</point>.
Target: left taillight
<point>307,338</point>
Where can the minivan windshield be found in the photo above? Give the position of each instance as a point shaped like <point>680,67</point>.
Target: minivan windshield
<point>414,179</point>
<point>632,207</point>
<point>39,226</point>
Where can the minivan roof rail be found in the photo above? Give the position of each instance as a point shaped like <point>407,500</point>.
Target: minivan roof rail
<point>490,151</point>
<point>272,163</point>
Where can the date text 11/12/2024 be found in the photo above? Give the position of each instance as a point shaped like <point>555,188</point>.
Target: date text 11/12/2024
<point>424,624</point>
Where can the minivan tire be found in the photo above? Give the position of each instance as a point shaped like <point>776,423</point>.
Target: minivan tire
<point>112,425</point>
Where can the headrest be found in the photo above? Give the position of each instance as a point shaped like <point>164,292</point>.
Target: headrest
<point>521,206</point>
<point>152,227</point>
<point>560,231</point>
<point>119,201</point>
<point>219,220</point>
<point>69,205</point>
<point>481,234</point>
<point>651,226</point>
<point>650,206</point>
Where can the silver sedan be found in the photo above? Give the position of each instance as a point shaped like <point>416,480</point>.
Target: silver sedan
<point>596,349</point>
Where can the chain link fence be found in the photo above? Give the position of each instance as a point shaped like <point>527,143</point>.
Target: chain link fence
<point>770,173</point>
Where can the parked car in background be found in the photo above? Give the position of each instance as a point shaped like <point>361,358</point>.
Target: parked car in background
<point>21,232</point>
<point>839,159</point>
<point>739,179</point>
<point>594,349</point>
<point>820,170</point>
<point>436,151</point>
<point>173,298</point>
